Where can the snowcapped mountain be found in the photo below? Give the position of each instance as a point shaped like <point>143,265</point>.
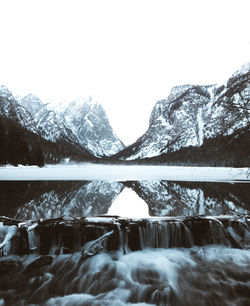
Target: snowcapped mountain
<point>190,116</point>
<point>50,125</point>
<point>80,126</point>
<point>193,113</point>
<point>9,108</point>
<point>88,121</point>
<point>32,134</point>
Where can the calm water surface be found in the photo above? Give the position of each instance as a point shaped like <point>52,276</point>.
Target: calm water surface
<point>25,200</point>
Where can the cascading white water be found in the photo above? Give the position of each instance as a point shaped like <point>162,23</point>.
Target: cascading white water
<point>124,234</point>
<point>32,238</point>
<point>137,261</point>
<point>164,235</point>
<point>150,277</point>
<point>6,235</point>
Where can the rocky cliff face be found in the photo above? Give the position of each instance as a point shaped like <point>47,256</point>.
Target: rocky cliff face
<point>80,125</point>
<point>89,122</point>
<point>31,134</point>
<point>50,125</point>
<point>9,108</point>
<point>193,113</point>
<point>81,122</point>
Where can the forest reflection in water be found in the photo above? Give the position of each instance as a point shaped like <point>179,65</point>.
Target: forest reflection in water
<point>25,200</point>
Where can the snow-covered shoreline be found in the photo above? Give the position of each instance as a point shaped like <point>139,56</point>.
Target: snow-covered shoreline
<point>90,172</point>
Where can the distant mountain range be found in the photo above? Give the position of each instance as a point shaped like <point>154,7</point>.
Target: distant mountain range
<point>204,125</point>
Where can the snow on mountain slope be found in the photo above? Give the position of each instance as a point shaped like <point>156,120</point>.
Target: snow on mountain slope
<point>192,113</point>
<point>245,68</point>
<point>232,105</point>
<point>175,122</point>
<point>19,124</point>
<point>81,123</point>
<point>9,108</point>
<point>90,124</point>
<point>50,125</point>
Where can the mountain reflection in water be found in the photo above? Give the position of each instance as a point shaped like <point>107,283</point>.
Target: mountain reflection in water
<point>51,199</point>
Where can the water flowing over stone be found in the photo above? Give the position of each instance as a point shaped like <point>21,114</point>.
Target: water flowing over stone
<point>194,250</point>
<point>149,277</point>
<point>58,236</point>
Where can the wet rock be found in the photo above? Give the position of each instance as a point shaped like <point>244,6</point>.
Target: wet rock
<point>38,263</point>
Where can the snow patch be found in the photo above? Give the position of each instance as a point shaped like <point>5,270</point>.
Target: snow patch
<point>90,172</point>
<point>200,126</point>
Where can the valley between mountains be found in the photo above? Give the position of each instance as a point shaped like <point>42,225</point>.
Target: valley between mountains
<point>201,125</point>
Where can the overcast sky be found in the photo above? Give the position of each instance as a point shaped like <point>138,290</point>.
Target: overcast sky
<point>125,54</point>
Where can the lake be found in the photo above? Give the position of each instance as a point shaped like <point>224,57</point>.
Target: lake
<point>33,200</point>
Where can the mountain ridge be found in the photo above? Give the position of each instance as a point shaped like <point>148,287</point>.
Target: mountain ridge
<point>89,122</point>
<point>191,120</point>
<point>50,130</point>
<point>192,114</point>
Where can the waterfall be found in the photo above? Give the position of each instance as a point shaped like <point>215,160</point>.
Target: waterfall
<point>165,235</point>
<point>69,236</point>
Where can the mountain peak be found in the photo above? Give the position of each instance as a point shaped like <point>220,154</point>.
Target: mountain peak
<point>245,68</point>
<point>192,114</point>
<point>5,92</point>
<point>31,98</point>
<point>90,124</point>
<point>33,104</point>
<point>76,102</point>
